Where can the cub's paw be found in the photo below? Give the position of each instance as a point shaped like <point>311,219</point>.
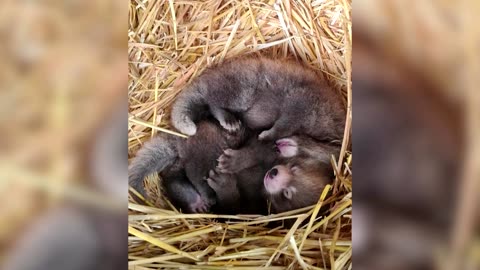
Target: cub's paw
<point>287,147</point>
<point>230,161</point>
<point>200,205</point>
<point>216,181</point>
<point>185,126</point>
<point>230,123</point>
<point>225,186</point>
<point>209,195</point>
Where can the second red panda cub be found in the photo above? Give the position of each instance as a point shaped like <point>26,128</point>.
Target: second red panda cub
<point>296,181</point>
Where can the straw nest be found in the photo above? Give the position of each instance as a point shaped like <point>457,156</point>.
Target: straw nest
<point>171,42</point>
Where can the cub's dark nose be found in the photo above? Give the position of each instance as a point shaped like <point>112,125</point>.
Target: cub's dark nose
<point>273,172</point>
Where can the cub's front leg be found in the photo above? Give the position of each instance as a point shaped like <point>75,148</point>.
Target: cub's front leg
<point>225,186</point>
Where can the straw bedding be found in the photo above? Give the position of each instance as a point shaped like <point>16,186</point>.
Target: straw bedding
<point>171,42</point>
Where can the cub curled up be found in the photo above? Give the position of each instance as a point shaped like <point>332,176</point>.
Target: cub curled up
<point>280,97</point>
<point>256,103</point>
<point>183,164</point>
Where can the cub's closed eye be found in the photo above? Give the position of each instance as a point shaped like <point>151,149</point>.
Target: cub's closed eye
<point>295,168</point>
<point>287,193</point>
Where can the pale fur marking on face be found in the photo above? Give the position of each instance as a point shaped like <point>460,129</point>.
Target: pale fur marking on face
<point>268,80</point>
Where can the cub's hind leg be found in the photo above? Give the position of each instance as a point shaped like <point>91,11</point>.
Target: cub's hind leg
<point>183,194</point>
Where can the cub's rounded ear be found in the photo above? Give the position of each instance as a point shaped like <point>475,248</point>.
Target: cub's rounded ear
<point>287,193</point>
<point>287,147</point>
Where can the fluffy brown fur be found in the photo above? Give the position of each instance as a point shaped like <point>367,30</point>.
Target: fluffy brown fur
<point>279,97</point>
<point>184,163</point>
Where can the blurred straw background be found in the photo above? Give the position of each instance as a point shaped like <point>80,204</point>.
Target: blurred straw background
<point>63,68</point>
<point>171,42</point>
<point>436,39</point>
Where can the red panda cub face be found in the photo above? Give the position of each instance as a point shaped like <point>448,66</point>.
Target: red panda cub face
<point>299,180</point>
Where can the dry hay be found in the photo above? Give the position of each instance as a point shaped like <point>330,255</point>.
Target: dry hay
<point>438,39</point>
<point>171,42</point>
